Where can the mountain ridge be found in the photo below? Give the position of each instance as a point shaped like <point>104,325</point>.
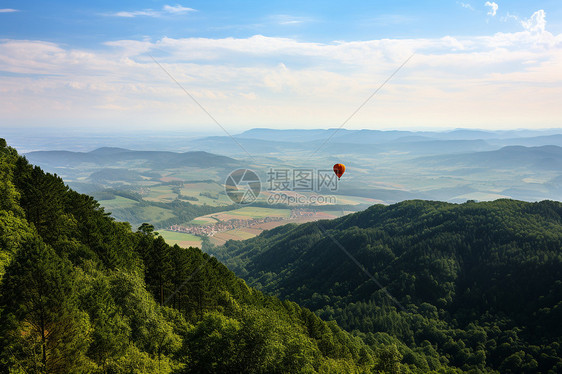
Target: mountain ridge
<point>80,292</point>
<point>457,270</point>
<point>111,155</point>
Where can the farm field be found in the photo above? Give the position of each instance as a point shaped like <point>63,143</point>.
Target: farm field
<point>184,240</point>
<point>245,213</point>
<point>118,203</point>
<point>156,214</point>
<point>238,234</point>
<point>209,193</point>
<point>258,212</point>
<point>200,221</point>
<point>198,193</point>
<point>249,232</point>
<point>162,193</point>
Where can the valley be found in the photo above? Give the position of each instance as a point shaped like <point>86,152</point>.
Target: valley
<point>178,191</point>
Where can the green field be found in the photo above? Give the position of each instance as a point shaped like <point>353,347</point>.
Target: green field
<point>215,189</point>
<point>165,194</point>
<point>155,214</point>
<point>353,200</point>
<point>192,173</point>
<point>161,194</point>
<point>201,222</point>
<point>180,238</point>
<point>117,203</point>
<point>256,212</point>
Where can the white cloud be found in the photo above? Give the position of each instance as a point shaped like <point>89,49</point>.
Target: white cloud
<point>508,17</point>
<point>493,8</point>
<point>8,10</point>
<point>147,12</point>
<point>537,22</point>
<point>166,9</point>
<point>284,19</point>
<point>466,5</point>
<point>263,80</point>
<point>177,9</point>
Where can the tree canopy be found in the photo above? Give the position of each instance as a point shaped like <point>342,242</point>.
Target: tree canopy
<point>80,292</point>
<point>475,285</point>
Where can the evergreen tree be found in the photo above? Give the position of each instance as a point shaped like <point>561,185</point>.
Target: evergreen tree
<point>43,329</point>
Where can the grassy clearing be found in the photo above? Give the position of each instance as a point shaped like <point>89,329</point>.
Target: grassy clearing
<point>215,190</point>
<point>160,194</point>
<point>117,203</point>
<point>193,173</point>
<point>354,200</point>
<point>156,213</point>
<point>202,222</point>
<point>237,234</point>
<point>256,212</point>
<point>180,238</point>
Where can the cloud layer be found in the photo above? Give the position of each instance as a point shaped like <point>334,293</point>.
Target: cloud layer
<point>506,79</point>
<point>166,10</point>
<point>493,8</point>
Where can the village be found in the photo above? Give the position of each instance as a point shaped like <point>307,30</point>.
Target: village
<point>236,223</point>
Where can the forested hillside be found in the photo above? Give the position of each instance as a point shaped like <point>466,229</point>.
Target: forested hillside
<point>81,293</point>
<point>478,283</point>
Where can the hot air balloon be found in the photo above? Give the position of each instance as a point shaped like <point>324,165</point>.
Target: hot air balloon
<point>339,169</point>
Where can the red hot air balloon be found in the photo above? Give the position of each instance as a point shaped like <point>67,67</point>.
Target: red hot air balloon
<point>339,169</point>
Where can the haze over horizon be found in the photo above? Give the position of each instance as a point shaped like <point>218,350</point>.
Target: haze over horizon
<point>88,67</point>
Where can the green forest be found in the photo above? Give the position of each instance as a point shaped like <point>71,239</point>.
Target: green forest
<point>415,287</point>
<point>82,293</point>
<point>476,286</point>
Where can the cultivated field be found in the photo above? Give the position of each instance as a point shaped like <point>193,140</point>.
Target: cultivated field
<point>182,239</point>
<point>118,203</point>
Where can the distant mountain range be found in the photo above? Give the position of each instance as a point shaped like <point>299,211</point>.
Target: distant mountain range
<point>381,136</point>
<point>388,166</point>
<point>110,156</point>
<point>548,157</point>
<point>261,141</point>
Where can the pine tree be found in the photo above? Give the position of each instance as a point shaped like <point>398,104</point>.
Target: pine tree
<point>43,328</point>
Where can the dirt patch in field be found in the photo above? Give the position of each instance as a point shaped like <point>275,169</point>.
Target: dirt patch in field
<point>272,225</point>
<point>243,232</point>
<point>189,243</point>
<point>227,217</point>
<point>323,215</point>
<point>216,241</point>
<point>170,179</point>
<point>226,236</point>
<point>253,230</point>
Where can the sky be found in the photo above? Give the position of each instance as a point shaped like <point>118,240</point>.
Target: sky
<point>107,65</point>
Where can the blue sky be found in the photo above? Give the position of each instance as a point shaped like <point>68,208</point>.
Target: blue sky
<point>281,64</point>
<point>85,23</point>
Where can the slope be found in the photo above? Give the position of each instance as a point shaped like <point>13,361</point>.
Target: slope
<point>480,283</point>
<point>80,292</point>
<point>110,156</point>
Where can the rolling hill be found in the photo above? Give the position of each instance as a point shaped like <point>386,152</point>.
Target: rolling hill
<point>80,292</point>
<point>111,155</point>
<point>480,283</point>
<point>546,157</point>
